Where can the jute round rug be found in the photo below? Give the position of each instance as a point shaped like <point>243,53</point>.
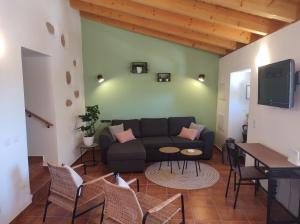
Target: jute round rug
<point>207,177</point>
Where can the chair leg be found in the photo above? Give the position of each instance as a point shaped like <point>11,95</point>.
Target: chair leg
<point>102,214</point>
<point>228,182</point>
<point>182,210</point>
<point>234,186</point>
<point>256,188</point>
<point>237,194</point>
<point>177,161</point>
<point>73,216</point>
<point>46,209</point>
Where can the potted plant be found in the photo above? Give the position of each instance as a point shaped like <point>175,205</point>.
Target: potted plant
<point>89,118</point>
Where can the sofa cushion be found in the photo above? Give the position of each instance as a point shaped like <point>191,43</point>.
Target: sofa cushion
<point>156,142</point>
<point>125,136</point>
<point>154,127</point>
<point>176,123</point>
<point>132,150</point>
<point>134,124</point>
<point>188,133</point>
<point>184,143</point>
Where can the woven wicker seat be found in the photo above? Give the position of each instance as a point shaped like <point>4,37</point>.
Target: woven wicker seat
<point>124,206</point>
<point>63,191</point>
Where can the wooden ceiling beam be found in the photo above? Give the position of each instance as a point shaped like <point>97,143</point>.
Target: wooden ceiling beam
<point>153,33</point>
<point>183,21</point>
<point>282,10</point>
<point>153,25</point>
<point>216,14</point>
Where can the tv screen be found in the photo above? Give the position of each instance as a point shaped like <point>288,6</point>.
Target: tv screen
<point>276,84</point>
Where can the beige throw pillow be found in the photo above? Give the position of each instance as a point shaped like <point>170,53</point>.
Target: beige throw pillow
<point>114,129</point>
<point>198,127</point>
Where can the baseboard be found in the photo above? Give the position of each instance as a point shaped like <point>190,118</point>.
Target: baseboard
<point>78,157</point>
<point>28,202</point>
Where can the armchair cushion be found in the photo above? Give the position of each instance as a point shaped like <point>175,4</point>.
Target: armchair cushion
<point>75,176</point>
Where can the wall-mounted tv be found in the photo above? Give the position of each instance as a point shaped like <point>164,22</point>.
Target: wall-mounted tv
<point>276,84</point>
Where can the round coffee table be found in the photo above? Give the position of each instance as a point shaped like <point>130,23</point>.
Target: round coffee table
<point>169,151</point>
<point>190,153</point>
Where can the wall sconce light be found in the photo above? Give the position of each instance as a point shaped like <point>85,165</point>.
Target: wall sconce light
<point>201,77</point>
<point>100,78</point>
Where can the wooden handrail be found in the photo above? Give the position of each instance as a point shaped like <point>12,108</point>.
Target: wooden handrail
<point>29,114</point>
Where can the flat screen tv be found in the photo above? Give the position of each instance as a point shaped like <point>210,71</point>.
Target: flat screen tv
<point>276,84</point>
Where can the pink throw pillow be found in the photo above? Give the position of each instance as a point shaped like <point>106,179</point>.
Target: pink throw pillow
<point>188,133</point>
<point>125,136</point>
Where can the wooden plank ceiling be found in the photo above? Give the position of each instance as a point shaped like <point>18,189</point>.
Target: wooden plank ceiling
<point>217,26</point>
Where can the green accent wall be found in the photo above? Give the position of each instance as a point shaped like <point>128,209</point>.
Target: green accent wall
<point>109,51</point>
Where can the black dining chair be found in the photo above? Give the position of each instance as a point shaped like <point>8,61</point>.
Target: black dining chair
<point>248,175</point>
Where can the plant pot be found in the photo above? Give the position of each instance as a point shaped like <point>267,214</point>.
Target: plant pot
<point>88,141</point>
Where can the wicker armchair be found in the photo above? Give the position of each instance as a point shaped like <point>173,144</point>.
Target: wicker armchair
<point>64,192</point>
<point>124,206</point>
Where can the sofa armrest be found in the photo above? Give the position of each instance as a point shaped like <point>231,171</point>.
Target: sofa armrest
<point>208,138</point>
<point>105,141</point>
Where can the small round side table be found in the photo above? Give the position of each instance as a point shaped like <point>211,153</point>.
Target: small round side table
<point>169,151</point>
<point>93,161</point>
<point>191,153</point>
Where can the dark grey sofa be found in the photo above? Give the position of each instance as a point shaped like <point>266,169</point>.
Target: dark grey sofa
<point>151,134</point>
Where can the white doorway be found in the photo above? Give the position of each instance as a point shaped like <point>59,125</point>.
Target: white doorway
<point>239,101</point>
<point>38,96</point>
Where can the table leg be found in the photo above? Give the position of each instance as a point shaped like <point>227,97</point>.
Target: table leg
<point>272,190</point>
<point>196,167</point>
<point>177,161</point>
<point>199,165</point>
<point>160,165</point>
<point>183,166</point>
<point>171,166</point>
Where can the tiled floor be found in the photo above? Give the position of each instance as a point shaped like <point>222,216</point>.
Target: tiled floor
<point>207,206</point>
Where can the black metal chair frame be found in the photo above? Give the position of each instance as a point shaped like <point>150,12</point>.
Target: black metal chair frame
<point>234,162</point>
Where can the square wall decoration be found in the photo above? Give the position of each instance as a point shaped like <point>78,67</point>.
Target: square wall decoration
<point>139,67</point>
<point>163,77</point>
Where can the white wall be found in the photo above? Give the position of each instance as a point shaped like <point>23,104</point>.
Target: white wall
<point>22,23</point>
<point>238,104</point>
<point>275,127</point>
<point>39,98</point>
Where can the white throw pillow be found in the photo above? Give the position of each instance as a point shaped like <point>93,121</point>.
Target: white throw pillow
<point>114,129</point>
<point>198,127</point>
<point>121,182</point>
<point>75,176</point>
